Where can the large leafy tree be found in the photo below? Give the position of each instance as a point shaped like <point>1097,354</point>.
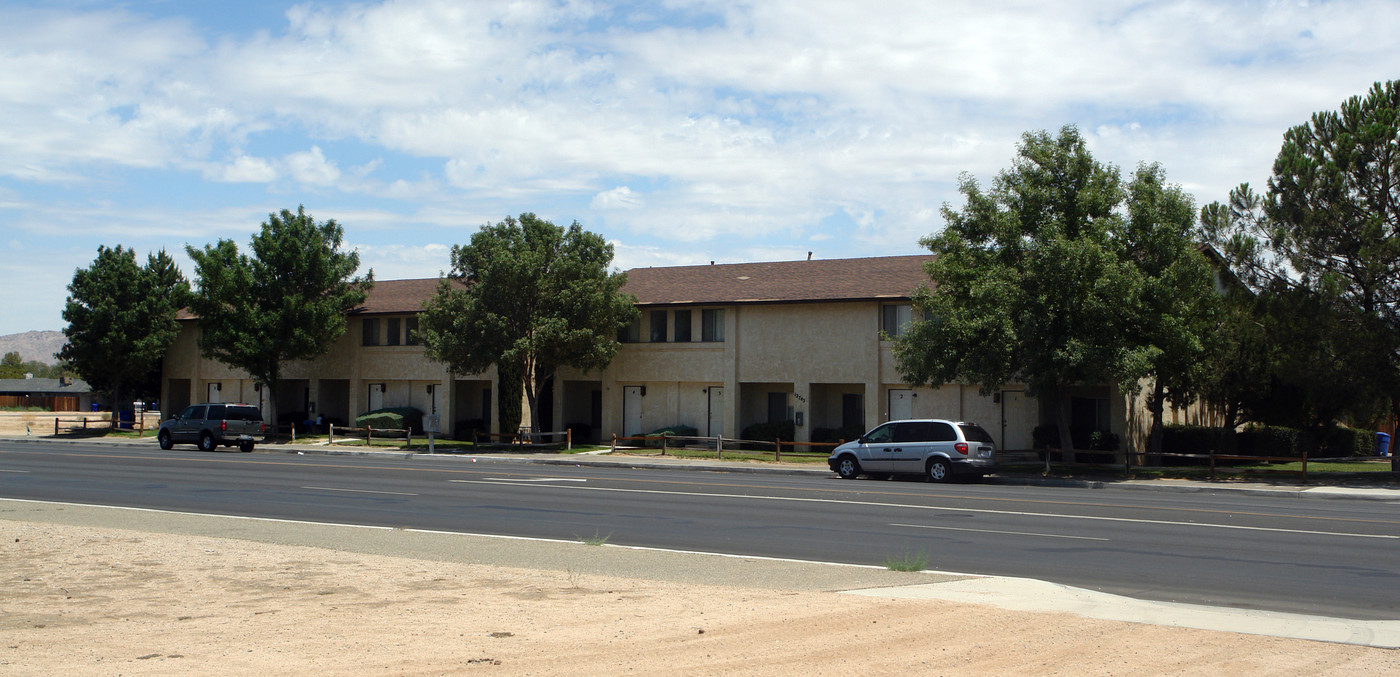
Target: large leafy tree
<point>1322,249</point>
<point>1032,282</point>
<point>288,301</point>
<point>529,297</point>
<point>1178,306</point>
<point>121,318</point>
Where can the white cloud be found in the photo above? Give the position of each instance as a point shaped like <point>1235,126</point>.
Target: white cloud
<point>621,197</point>
<point>311,167</point>
<point>246,169</point>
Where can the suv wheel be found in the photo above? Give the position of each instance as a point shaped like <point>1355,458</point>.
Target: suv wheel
<point>206,441</point>
<point>245,447</point>
<point>939,470</point>
<point>164,438</point>
<point>848,467</point>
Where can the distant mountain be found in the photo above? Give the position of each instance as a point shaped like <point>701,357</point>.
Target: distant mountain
<point>38,346</point>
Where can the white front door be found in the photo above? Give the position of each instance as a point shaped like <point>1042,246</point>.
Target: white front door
<point>716,417</point>
<point>1019,415</point>
<point>631,411</point>
<point>376,396</point>
<point>901,404</point>
<point>214,390</point>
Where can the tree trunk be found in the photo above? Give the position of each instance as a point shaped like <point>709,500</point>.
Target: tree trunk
<point>1155,405</point>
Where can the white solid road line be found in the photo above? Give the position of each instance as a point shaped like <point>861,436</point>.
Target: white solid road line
<point>361,491</point>
<point>993,531</point>
<point>938,508</point>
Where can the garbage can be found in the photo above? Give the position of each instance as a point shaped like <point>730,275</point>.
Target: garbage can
<point>1382,444</point>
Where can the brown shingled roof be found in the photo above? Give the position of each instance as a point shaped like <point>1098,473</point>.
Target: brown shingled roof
<point>397,296</point>
<point>885,277</point>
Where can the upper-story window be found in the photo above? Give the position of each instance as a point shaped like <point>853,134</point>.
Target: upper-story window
<point>658,326</point>
<point>895,318</point>
<point>631,333</point>
<point>682,326</point>
<point>369,331</point>
<point>712,324</point>
<point>395,331</point>
<point>410,331</point>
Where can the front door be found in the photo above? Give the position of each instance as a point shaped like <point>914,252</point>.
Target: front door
<point>376,396</point>
<point>901,404</point>
<point>716,414</point>
<point>1019,415</point>
<point>631,411</point>
<point>214,390</point>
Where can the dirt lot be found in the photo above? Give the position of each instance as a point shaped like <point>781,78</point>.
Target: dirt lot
<point>96,600</point>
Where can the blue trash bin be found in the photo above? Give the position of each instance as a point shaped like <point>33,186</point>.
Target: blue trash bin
<point>1382,444</point>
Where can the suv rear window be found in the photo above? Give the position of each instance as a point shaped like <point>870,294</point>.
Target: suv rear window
<point>975,433</point>
<point>245,413</point>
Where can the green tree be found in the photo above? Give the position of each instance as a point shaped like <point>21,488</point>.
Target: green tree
<point>529,297</point>
<point>1178,306</point>
<point>11,366</point>
<point>1032,282</point>
<point>1322,248</point>
<point>121,318</point>
<point>288,301</point>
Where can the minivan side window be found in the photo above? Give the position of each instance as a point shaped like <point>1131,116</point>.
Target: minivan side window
<point>882,434</point>
<point>942,432</point>
<point>915,431</point>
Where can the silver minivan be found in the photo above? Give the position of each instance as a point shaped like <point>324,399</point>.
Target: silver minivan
<point>934,448</point>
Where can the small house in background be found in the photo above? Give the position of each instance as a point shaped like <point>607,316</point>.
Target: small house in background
<point>51,394</point>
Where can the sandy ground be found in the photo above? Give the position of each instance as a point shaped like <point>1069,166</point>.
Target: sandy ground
<point>98,600</point>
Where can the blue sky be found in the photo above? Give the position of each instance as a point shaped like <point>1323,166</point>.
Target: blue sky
<point>682,131</point>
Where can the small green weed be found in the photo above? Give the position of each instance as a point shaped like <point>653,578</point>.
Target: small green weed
<point>595,539</point>
<point>909,561</point>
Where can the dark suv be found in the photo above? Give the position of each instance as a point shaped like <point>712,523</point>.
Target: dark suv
<point>933,448</point>
<point>214,425</point>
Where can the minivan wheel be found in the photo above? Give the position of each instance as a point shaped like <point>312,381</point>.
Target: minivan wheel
<point>848,467</point>
<point>164,438</point>
<point>206,442</point>
<point>939,470</point>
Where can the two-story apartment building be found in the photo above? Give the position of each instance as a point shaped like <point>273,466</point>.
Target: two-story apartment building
<point>717,348</point>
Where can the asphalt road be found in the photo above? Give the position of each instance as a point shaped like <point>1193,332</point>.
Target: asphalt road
<point>1298,554</point>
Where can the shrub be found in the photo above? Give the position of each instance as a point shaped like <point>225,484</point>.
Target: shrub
<point>1197,439</point>
<point>769,432</point>
<point>847,433</point>
<point>391,418</point>
<point>673,430</point>
<point>1344,441</point>
<point>1048,437</point>
<point>466,429</point>
<point>1271,440</point>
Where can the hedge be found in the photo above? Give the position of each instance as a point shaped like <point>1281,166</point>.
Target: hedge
<point>394,418</point>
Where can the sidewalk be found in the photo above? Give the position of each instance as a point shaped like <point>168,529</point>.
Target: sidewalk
<point>603,459</point>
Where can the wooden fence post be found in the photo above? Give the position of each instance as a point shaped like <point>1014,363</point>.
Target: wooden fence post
<point>614,443</point>
<point>1305,466</point>
<point>568,439</point>
<point>777,450</point>
<point>664,437</point>
<point>55,426</point>
<point>330,433</point>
